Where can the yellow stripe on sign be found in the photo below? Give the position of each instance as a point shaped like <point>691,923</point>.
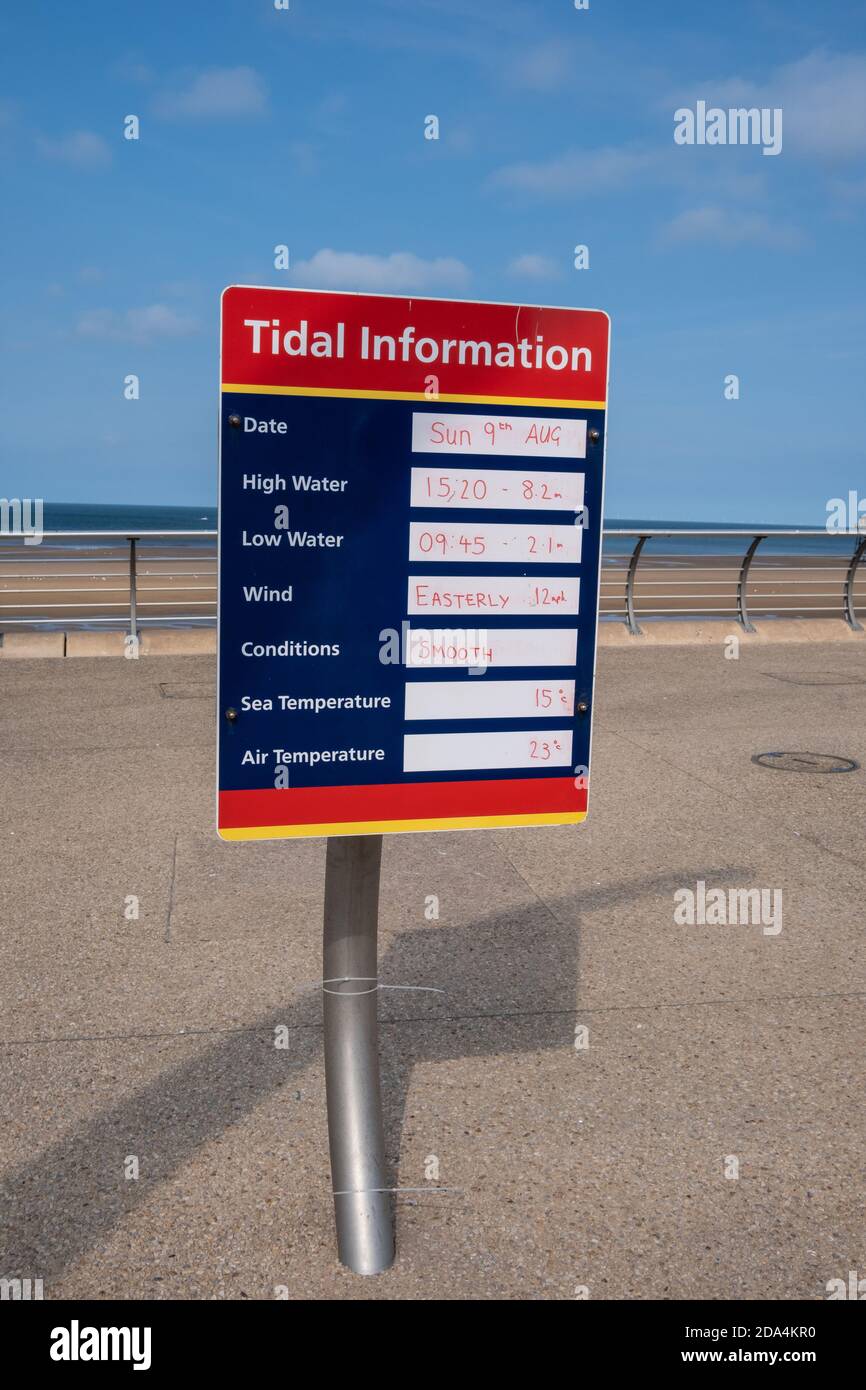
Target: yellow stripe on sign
<point>391,827</point>
<point>246,390</point>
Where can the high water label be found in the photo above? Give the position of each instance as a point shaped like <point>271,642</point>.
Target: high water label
<point>410,509</point>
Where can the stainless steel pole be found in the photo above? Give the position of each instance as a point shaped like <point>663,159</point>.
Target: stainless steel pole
<point>362,1203</point>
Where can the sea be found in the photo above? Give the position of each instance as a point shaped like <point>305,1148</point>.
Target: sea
<point>95,516</point>
<point>110,516</point>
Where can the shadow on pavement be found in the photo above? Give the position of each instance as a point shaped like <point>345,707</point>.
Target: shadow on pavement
<point>523,964</point>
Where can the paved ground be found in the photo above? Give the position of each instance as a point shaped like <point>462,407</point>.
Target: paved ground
<point>602,1167</point>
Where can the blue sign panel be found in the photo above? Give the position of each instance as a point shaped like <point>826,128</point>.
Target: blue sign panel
<point>408,567</point>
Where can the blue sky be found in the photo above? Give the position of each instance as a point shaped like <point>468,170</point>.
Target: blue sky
<point>306,127</point>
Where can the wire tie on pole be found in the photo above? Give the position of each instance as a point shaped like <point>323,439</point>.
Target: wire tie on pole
<point>366,979</point>
<point>366,1191</point>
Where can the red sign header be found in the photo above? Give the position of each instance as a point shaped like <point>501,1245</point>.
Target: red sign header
<point>320,341</point>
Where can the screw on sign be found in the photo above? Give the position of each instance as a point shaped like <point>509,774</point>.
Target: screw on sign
<point>408,604</point>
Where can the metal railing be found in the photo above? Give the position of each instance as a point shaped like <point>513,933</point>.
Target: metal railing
<point>80,578</point>
<point>718,579</point>
<point>130,580</point>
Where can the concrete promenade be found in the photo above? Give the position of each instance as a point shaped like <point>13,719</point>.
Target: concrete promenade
<point>152,1041</point>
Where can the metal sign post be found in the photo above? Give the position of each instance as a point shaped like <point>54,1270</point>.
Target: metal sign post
<point>362,1199</point>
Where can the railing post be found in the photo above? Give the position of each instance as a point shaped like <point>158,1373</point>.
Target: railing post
<point>629,587</point>
<point>850,615</point>
<point>742,609</point>
<point>133,615</point>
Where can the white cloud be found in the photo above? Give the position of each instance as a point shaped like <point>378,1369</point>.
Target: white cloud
<point>534,267</point>
<point>727,227</point>
<point>396,274</point>
<point>543,67</point>
<point>179,289</point>
<point>822,97</point>
<point>82,149</point>
<point>131,69</point>
<point>614,169</point>
<point>823,102</point>
<point>218,92</point>
<point>304,155</point>
<point>576,171</point>
<point>850,190</point>
<point>136,325</point>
